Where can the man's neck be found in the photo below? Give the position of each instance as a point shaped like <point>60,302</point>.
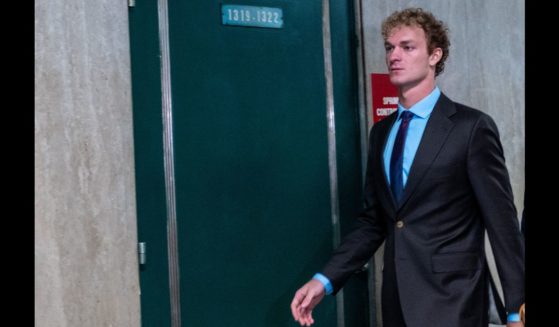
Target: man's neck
<point>412,95</point>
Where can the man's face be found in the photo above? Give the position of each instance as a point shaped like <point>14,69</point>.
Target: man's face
<point>407,57</point>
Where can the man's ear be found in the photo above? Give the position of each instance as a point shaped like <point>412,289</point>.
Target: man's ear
<point>435,56</point>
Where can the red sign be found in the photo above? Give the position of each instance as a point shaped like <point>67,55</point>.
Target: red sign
<point>385,96</point>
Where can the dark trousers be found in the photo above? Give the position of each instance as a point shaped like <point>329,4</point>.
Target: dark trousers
<point>392,315</point>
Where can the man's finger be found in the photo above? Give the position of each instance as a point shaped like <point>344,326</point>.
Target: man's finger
<point>296,305</point>
<point>306,316</point>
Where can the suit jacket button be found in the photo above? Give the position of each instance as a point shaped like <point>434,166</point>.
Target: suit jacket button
<point>400,224</point>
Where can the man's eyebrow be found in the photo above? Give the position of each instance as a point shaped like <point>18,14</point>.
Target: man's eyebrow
<point>403,42</point>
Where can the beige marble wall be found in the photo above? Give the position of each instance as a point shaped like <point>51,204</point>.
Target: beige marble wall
<point>85,214</point>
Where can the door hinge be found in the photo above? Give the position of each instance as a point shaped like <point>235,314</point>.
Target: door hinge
<point>131,3</point>
<point>142,253</point>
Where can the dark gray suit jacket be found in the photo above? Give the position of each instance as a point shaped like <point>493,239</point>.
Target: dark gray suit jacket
<point>434,258</point>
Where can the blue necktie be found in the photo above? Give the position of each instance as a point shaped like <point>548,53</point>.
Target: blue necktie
<point>397,158</point>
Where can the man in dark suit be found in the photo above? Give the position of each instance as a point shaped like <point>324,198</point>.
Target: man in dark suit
<point>436,180</point>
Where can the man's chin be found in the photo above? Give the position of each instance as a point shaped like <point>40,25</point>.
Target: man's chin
<point>395,81</point>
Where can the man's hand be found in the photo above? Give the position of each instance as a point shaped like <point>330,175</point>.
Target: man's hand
<point>304,301</point>
<point>515,324</point>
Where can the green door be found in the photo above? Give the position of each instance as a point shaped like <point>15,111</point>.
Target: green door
<point>250,182</point>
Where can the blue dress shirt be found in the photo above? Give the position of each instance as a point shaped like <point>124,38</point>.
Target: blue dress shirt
<point>422,111</point>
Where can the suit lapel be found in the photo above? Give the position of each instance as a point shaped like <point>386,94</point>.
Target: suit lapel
<point>435,134</point>
<point>381,179</point>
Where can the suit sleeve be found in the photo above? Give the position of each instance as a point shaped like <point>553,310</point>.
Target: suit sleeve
<point>367,234</point>
<point>490,180</point>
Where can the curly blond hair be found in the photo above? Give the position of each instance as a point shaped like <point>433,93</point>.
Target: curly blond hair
<point>435,30</point>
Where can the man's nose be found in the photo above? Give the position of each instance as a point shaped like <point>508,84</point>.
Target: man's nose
<point>394,55</point>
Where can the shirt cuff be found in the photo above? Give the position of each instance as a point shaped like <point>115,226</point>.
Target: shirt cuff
<point>325,282</point>
<point>513,317</point>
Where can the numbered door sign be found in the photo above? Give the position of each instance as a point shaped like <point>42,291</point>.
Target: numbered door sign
<point>238,15</point>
